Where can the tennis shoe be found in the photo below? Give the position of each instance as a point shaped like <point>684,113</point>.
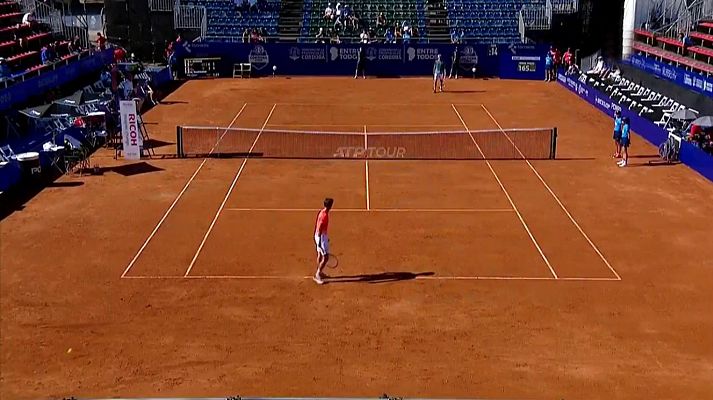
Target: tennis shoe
<point>318,279</point>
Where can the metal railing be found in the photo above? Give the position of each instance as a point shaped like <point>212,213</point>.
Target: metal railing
<point>161,5</point>
<point>565,6</point>
<point>54,19</point>
<point>587,63</point>
<point>190,17</point>
<point>537,17</point>
<point>521,26</point>
<point>688,16</point>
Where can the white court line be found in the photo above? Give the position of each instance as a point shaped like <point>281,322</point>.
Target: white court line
<point>512,203</point>
<point>407,125</point>
<point>180,194</point>
<point>423,278</point>
<point>366,169</point>
<point>569,215</point>
<point>227,195</point>
<point>364,210</point>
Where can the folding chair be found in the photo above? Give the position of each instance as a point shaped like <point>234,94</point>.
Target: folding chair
<point>6,153</point>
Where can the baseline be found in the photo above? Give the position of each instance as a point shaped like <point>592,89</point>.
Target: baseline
<point>422,278</point>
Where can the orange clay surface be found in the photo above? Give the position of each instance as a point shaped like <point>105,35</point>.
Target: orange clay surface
<point>445,288</point>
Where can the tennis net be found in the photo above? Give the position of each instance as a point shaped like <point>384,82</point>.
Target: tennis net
<point>507,144</point>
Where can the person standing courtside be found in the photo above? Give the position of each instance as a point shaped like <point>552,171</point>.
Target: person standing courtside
<point>438,72</point>
<point>455,64</point>
<point>361,64</point>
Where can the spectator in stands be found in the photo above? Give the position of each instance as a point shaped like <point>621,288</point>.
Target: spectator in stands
<point>28,19</point>
<point>254,36</point>
<point>354,21</point>
<point>119,55</point>
<point>101,41</point>
<point>338,26</point>
<point>454,37</point>
<point>455,64</point>
<point>321,37</point>
<point>389,36</point>
<point>105,77</point>
<point>686,40</point>
<point>338,11</point>
<point>75,46</point>
<point>246,35</point>
<point>45,55</point>
<point>573,70</point>
<point>398,33</point>
<point>364,37</point>
<point>380,21</point>
<point>334,38</point>
<point>126,88</point>
<point>568,59</point>
<point>599,69</point>
<point>328,13</point>
<point>407,33</point>
<point>263,35</point>
<point>5,71</point>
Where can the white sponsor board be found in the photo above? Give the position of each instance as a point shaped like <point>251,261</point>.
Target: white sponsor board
<point>130,131</point>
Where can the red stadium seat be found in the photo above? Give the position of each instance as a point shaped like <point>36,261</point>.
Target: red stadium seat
<point>675,43</point>
<point>670,56</point>
<point>701,51</point>
<point>648,36</point>
<point>701,36</point>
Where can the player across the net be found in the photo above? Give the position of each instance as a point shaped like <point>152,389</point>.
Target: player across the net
<point>505,144</point>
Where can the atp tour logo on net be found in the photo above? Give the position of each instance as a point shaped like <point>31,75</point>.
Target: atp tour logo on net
<point>258,57</point>
<point>370,152</point>
<point>420,54</point>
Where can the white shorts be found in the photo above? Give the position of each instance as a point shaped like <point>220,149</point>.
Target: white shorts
<point>437,76</point>
<point>322,242</point>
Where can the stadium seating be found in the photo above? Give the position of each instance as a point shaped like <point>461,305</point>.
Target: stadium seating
<point>227,21</point>
<point>697,55</point>
<point>395,12</point>
<point>486,21</point>
<point>20,45</point>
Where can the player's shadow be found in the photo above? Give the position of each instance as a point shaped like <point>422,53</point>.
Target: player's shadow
<point>383,277</point>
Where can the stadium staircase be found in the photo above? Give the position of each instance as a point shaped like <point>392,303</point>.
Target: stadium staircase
<point>290,19</point>
<point>437,21</point>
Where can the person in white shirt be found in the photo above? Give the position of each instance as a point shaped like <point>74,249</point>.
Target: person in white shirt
<point>339,10</point>
<point>599,67</point>
<point>364,37</point>
<point>28,19</point>
<point>328,12</point>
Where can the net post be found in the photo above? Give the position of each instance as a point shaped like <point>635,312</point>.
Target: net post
<point>553,143</point>
<point>179,141</point>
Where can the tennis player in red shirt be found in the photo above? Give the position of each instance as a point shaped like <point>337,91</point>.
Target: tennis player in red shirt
<point>322,240</point>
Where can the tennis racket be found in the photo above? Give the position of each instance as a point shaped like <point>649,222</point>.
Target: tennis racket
<point>333,261</point>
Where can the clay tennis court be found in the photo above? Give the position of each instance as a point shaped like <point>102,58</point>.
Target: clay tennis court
<point>565,278</point>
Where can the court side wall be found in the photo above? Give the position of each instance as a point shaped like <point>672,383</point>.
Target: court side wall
<point>690,155</point>
<point>515,61</point>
